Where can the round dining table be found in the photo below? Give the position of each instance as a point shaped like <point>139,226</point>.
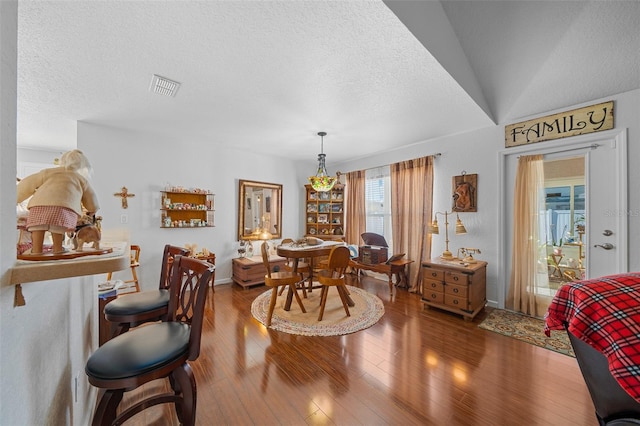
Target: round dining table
<point>304,251</point>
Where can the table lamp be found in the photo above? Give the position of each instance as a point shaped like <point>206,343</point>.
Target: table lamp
<point>433,228</point>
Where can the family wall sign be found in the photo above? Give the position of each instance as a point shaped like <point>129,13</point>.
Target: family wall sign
<point>591,119</point>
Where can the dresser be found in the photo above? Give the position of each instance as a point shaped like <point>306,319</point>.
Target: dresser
<point>454,287</point>
<point>250,271</point>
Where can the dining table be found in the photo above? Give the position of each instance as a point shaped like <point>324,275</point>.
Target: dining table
<point>302,250</point>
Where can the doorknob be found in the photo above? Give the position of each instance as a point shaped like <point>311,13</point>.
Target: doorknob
<point>606,246</point>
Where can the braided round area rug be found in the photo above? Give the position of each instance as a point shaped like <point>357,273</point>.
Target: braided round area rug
<point>367,311</point>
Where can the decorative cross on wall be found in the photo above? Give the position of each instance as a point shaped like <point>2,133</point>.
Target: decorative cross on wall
<point>124,194</point>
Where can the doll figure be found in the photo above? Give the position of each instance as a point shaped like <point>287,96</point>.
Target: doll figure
<point>58,197</point>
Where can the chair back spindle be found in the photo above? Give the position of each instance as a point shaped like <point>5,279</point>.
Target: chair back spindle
<point>189,284</point>
<point>169,253</point>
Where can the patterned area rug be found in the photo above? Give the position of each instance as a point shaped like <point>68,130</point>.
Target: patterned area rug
<point>527,329</point>
<point>367,311</point>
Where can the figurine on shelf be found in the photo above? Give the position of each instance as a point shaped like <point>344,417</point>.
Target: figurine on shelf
<point>58,195</point>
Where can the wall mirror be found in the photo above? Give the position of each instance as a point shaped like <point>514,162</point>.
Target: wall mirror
<point>259,209</point>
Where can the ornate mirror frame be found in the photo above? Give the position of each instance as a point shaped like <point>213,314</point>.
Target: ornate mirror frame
<point>259,206</point>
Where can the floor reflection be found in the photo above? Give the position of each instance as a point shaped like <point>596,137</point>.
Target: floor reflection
<point>290,360</point>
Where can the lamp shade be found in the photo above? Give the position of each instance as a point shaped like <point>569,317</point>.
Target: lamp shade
<point>460,229</point>
<point>433,227</point>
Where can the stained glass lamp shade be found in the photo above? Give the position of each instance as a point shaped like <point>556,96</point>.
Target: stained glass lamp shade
<point>322,182</point>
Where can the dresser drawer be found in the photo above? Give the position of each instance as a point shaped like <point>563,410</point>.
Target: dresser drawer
<point>455,302</point>
<point>456,290</point>
<point>453,277</point>
<point>432,296</point>
<point>433,274</point>
<point>431,285</point>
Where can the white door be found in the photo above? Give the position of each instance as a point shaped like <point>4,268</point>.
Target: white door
<point>606,200</point>
<point>606,191</point>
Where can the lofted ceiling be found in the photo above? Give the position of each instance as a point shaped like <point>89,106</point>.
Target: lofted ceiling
<point>266,76</point>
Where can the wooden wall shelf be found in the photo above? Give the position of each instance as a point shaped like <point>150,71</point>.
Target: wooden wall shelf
<point>187,209</point>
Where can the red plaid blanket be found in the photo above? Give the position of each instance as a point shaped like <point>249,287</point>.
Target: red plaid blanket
<point>605,313</point>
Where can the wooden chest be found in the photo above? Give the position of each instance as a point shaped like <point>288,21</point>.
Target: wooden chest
<point>372,255</point>
<point>453,287</point>
<point>248,272</point>
<point>375,249</point>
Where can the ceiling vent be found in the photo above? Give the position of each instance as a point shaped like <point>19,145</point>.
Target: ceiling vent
<point>163,86</point>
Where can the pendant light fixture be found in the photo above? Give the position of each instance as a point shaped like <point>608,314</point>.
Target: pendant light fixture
<point>322,182</point>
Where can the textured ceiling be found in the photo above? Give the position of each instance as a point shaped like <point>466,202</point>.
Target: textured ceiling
<point>268,75</point>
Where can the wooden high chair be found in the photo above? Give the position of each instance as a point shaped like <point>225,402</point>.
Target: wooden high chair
<point>135,262</point>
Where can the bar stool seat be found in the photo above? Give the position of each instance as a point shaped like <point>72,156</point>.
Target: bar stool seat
<point>139,303</point>
<point>139,351</point>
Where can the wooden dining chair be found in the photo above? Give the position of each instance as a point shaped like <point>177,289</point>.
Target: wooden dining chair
<point>276,279</point>
<point>303,268</point>
<point>333,276</point>
<point>156,351</point>
<point>135,262</point>
<point>131,310</point>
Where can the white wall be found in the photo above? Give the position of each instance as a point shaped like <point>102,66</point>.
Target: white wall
<point>477,152</point>
<point>45,345</point>
<point>146,163</point>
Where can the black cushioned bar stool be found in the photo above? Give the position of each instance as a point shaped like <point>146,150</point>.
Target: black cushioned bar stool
<point>131,310</point>
<point>155,351</point>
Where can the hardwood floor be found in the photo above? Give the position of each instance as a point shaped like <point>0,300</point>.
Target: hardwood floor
<point>415,366</point>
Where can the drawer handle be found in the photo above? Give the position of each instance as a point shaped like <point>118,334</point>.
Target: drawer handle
<point>433,285</point>
<point>434,274</point>
<point>455,278</point>
<point>455,302</point>
<point>433,296</point>
<point>455,290</point>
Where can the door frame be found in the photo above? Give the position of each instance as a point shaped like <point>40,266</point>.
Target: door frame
<point>617,137</point>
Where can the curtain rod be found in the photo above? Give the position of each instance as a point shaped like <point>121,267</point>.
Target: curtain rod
<point>592,146</point>
<point>437,154</point>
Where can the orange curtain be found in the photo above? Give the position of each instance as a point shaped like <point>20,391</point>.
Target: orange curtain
<point>411,208</point>
<point>529,276</point>
<point>356,219</point>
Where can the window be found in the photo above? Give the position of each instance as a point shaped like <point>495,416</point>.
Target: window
<point>565,206</point>
<point>564,199</point>
<point>378,202</point>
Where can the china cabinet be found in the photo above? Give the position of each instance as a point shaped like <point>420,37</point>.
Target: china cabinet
<point>325,213</point>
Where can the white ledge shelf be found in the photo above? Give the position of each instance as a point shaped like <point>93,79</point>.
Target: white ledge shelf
<point>25,271</point>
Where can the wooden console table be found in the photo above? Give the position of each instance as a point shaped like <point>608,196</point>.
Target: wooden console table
<point>396,267</point>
